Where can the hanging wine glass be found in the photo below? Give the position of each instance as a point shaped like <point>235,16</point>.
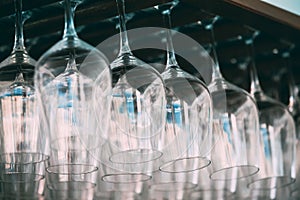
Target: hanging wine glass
<point>188,127</point>
<point>294,108</point>
<point>137,117</point>
<point>235,113</point>
<point>74,85</point>
<point>277,128</point>
<point>16,74</point>
<point>188,112</point>
<point>22,153</point>
<point>294,102</point>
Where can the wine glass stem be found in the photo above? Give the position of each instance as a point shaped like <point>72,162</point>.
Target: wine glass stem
<point>293,90</point>
<point>171,58</point>
<point>69,29</point>
<point>255,85</point>
<point>19,37</point>
<point>216,67</point>
<point>124,43</point>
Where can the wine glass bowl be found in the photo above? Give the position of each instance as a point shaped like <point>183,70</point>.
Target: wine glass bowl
<point>67,84</point>
<point>236,112</point>
<point>188,122</point>
<point>16,87</point>
<point>278,131</point>
<point>137,102</point>
<point>293,107</point>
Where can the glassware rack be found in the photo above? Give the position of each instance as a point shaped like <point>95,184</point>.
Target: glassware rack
<point>94,24</point>
<point>273,34</point>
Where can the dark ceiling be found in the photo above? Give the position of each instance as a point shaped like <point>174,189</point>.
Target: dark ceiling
<point>94,22</point>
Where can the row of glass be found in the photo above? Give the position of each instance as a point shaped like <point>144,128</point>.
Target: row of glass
<point>88,129</point>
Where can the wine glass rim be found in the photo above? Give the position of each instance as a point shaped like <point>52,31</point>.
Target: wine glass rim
<point>254,170</point>
<point>173,162</point>
<point>92,167</point>
<point>156,155</point>
<point>144,177</point>
<point>289,180</point>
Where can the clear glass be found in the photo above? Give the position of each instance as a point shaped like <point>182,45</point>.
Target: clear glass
<point>137,117</point>
<point>19,117</point>
<point>188,130</point>
<point>277,128</point>
<point>295,192</point>
<point>235,115</point>
<point>187,134</point>
<point>73,81</point>
<point>20,135</point>
<point>22,174</point>
<point>112,182</point>
<point>294,108</point>
<point>211,189</point>
<point>71,181</point>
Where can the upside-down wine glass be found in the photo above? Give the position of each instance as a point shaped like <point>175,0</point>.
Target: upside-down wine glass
<point>294,108</point>
<point>294,101</point>
<point>187,136</point>
<point>115,182</point>
<point>188,112</point>
<point>277,128</point>
<point>137,116</point>
<point>74,84</point>
<point>235,114</point>
<point>22,153</point>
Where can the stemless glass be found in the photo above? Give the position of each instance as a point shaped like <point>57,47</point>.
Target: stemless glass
<point>74,84</point>
<point>234,113</point>
<point>277,128</point>
<point>22,156</point>
<point>137,117</point>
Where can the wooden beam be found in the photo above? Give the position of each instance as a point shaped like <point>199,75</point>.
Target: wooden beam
<point>269,11</point>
